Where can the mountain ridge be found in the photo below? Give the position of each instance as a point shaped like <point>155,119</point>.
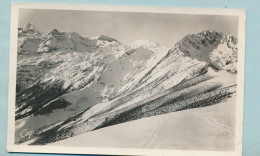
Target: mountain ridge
<point>71,81</point>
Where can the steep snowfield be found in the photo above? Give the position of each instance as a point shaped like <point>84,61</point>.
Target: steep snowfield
<point>106,81</point>
<point>74,80</point>
<point>207,128</point>
<point>143,62</point>
<point>200,91</point>
<point>69,84</point>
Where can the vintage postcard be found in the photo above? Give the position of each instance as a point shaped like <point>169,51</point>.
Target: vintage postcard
<point>126,80</point>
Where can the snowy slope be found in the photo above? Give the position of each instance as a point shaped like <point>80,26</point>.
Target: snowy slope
<point>200,91</point>
<point>103,84</point>
<point>79,84</point>
<point>200,124</point>
<point>58,63</point>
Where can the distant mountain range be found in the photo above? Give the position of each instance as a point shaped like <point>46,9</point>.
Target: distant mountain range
<point>68,84</point>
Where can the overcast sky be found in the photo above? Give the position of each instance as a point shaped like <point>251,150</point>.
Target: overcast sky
<point>165,29</point>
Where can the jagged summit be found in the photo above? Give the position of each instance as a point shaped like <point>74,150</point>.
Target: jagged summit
<point>28,39</point>
<point>105,83</point>
<point>207,32</point>
<point>208,45</point>
<point>199,46</point>
<point>28,27</point>
<point>54,31</point>
<point>106,38</point>
<point>28,30</point>
<point>63,41</point>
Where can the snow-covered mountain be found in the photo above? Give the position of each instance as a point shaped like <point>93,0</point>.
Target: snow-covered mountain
<point>28,31</point>
<point>28,39</point>
<point>64,57</point>
<point>71,84</point>
<point>213,47</point>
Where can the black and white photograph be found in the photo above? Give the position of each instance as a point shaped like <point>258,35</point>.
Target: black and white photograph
<point>125,80</point>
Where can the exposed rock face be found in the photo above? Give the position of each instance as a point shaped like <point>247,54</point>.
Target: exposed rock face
<point>28,45</point>
<point>225,58</point>
<point>78,84</point>
<point>28,31</point>
<point>56,40</point>
<point>68,57</point>
<point>202,45</point>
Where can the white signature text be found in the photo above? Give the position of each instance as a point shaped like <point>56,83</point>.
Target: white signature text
<point>25,133</point>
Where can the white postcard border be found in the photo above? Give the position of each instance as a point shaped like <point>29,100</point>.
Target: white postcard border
<point>11,147</point>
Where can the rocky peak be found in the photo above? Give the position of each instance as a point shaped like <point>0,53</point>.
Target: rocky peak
<point>200,46</point>
<point>204,38</point>
<point>55,32</point>
<point>66,41</point>
<point>210,33</point>
<point>106,38</point>
<point>28,27</point>
<point>28,31</point>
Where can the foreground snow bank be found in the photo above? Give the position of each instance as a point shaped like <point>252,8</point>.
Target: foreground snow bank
<point>206,128</point>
